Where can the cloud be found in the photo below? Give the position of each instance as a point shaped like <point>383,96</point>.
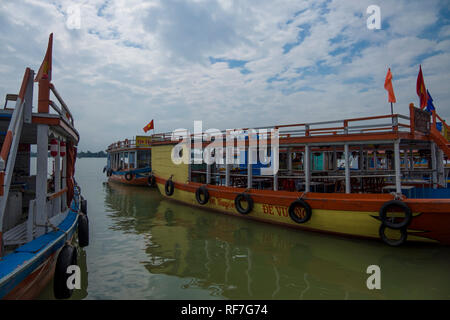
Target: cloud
<point>229,63</point>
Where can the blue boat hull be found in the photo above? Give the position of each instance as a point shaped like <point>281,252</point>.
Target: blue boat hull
<point>25,271</point>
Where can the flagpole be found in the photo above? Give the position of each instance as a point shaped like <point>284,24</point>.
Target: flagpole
<point>392,109</point>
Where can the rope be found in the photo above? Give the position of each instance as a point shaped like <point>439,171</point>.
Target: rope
<point>303,196</point>
<point>397,196</point>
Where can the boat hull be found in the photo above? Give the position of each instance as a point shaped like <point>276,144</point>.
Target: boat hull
<point>135,181</point>
<point>24,272</point>
<point>354,215</point>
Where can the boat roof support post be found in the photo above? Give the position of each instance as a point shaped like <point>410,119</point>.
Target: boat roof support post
<point>57,200</point>
<point>374,159</point>
<point>249,168</point>
<point>227,174</point>
<point>398,174</point>
<point>433,164</point>
<point>208,173</point>
<point>275,182</point>
<point>347,169</point>
<point>41,178</point>
<point>306,162</point>
<point>63,182</point>
<point>440,168</point>
<point>405,158</point>
<point>289,160</point>
<point>27,116</point>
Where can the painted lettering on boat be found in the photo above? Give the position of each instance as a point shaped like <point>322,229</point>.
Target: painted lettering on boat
<point>223,203</point>
<point>275,210</point>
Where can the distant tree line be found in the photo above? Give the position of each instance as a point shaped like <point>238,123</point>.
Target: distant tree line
<point>88,154</point>
<point>82,154</point>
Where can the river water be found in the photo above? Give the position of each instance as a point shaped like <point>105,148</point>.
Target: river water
<point>145,247</point>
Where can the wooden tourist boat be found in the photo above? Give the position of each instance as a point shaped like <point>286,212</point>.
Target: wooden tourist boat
<point>39,217</point>
<point>332,178</point>
<point>129,161</point>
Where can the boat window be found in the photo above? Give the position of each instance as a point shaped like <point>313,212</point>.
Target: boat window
<point>143,158</point>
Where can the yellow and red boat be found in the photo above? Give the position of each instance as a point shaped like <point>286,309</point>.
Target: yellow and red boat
<point>340,177</point>
<point>129,161</point>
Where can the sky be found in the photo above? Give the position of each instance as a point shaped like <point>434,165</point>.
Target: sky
<point>229,63</point>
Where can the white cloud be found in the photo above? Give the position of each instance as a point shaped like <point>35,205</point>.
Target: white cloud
<point>133,61</point>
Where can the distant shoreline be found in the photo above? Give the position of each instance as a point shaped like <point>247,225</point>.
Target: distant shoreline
<point>88,154</point>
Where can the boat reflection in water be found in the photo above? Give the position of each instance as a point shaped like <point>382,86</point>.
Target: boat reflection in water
<point>238,259</point>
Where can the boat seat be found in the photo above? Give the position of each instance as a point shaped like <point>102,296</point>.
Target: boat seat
<point>16,235</point>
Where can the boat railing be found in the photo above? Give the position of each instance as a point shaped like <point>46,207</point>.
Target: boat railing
<point>363,125</point>
<point>63,111</point>
<point>336,127</point>
<point>21,114</point>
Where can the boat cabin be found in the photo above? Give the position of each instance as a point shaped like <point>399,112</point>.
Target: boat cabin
<point>38,150</point>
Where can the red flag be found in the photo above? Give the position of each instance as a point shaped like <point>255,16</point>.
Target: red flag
<point>150,126</point>
<point>421,90</point>
<point>45,71</point>
<point>388,86</point>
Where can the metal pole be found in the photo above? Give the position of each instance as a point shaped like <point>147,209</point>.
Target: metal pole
<point>347,169</point>
<point>434,164</point>
<point>306,163</point>
<point>208,174</point>
<point>41,178</point>
<point>249,169</point>
<point>398,183</point>
<point>289,162</point>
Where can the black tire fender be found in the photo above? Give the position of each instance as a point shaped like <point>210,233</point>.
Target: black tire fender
<point>83,230</point>
<point>198,195</point>
<point>129,176</point>
<point>169,187</point>
<point>390,242</point>
<point>395,203</point>
<point>84,205</point>
<point>237,203</point>
<point>151,181</point>
<point>66,257</point>
<point>306,209</point>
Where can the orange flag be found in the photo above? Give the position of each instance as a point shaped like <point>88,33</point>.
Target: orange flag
<point>421,90</point>
<point>150,126</point>
<point>388,86</point>
<point>45,71</point>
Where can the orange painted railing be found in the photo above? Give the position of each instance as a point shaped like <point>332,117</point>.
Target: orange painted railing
<point>302,129</point>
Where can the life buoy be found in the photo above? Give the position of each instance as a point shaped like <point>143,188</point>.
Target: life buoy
<point>66,257</point>
<point>388,222</point>
<point>83,230</point>
<point>393,242</point>
<point>169,187</point>
<point>237,202</point>
<point>202,195</point>
<point>129,176</point>
<point>151,180</point>
<point>300,211</point>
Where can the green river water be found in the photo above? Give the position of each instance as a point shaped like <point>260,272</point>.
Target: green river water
<point>145,247</point>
